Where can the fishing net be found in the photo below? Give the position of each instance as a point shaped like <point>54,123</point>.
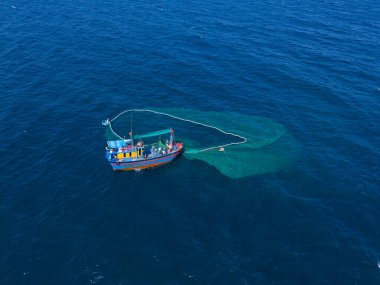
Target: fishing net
<point>252,145</point>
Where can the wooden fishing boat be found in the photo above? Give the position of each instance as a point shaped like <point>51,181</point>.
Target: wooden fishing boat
<point>124,154</point>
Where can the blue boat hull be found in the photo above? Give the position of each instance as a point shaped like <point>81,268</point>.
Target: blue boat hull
<point>145,163</point>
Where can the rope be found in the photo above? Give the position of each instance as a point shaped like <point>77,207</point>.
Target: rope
<point>244,140</point>
<point>109,124</point>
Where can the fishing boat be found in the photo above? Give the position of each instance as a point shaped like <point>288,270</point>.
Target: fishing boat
<point>125,154</point>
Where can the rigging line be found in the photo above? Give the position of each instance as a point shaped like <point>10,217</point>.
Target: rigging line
<point>244,139</point>
<point>114,131</point>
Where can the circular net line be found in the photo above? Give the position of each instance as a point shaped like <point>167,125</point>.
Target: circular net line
<point>243,139</point>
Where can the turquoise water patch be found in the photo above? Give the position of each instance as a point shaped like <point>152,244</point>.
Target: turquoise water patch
<point>269,147</point>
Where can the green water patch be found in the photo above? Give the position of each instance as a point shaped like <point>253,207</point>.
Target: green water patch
<point>269,147</point>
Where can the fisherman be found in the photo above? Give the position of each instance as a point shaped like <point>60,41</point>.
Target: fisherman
<point>169,145</point>
<point>153,150</point>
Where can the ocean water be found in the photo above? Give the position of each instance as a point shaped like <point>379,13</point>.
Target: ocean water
<point>67,218</point>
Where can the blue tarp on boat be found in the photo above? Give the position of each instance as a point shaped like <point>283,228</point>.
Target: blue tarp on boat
<point>117,144</point>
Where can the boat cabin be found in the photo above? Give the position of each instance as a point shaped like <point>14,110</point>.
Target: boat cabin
<point>125,150</point>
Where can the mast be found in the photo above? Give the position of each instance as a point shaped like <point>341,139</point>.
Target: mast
<point>171,136</point>
<point>131,132</point>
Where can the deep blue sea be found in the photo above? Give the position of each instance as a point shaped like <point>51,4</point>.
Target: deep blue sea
<point>67,218</point>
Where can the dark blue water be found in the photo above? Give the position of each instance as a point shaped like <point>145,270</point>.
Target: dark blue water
<point>66,218</point>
